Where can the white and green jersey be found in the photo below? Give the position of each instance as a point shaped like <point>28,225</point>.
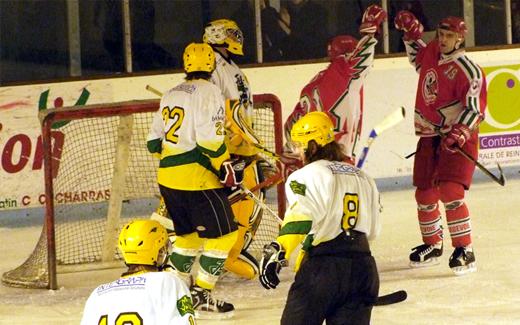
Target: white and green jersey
<point>325,199</point>
<point>146,298</point>
<point>233,83</point>
<point>187,133</point>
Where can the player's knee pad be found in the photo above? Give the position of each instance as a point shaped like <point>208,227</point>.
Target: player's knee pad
<point>451,194</point>
<point>427,200</point>
<point>221,244</point>
<point>184,252</point>
<point>427,196</point>
<point>212,259</point>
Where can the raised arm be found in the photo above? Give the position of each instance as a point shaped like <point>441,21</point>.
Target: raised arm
<point>413,29</point>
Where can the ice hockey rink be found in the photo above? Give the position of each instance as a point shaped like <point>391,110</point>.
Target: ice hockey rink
<point>435,295</point>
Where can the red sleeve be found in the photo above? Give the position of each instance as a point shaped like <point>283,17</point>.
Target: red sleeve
<point>296,114</point>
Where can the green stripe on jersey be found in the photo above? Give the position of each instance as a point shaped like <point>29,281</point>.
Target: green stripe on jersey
<point>296,227</point>
<point>188,157</point>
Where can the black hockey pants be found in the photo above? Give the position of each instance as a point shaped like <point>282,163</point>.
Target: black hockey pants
<point>338,282</point>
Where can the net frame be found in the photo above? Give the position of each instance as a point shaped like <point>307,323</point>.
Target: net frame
<point>46,275</point>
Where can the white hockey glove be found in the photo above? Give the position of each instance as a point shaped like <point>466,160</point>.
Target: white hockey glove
<point>273,260</point>
<point>232,172</point>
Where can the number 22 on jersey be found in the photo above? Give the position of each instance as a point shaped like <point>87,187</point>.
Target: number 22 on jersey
<point>350,211</point>
<point>177,115</point>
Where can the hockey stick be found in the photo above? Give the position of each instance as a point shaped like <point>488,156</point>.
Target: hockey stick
<point>388,122</point>
<point>499,179</point>
<point>153,90</point>
<point>391,298</point>
<point>260,203</point>
<point>275,179</point>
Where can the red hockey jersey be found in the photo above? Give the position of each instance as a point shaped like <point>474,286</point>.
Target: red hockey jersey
<point>451,89</point>
<point>338,91</point>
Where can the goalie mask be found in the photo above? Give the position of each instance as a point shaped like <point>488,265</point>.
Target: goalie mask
<point>315,126</point>
<point>198,57</point>
<point>144,242</point>
<point>341,45</point>
<point>225,33</point>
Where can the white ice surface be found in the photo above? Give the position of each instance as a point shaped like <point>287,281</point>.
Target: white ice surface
<point>435,295</point>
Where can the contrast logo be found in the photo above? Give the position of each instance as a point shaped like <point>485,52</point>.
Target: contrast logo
<point>503,100</point>
<point>430,86</point>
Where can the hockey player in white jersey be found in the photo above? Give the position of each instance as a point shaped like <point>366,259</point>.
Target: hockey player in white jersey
<point>188,135</point>
<point>143,294</point>
<point>333,212</point>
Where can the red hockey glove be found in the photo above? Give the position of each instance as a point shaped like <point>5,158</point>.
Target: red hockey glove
<point>410,25</point>
<point>372,19</point>
<point>232,172</point>
<point>457,137</point>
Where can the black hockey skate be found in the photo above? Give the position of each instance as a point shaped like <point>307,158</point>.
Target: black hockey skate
<point>207,307</point>
<point>462,261</point>
<point>426,255</point>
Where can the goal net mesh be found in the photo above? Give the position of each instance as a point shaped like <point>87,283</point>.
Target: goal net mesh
<point>84,185</point>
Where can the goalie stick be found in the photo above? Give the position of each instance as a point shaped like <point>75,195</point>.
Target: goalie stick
<point>388,122</point>
<point>391,298</point>
<point>260,203</point>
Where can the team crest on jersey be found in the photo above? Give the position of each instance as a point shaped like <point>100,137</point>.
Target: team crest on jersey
<point>298,188</point>
<point>430,86</point>
<point>185,306</point>
<point>451,72</point>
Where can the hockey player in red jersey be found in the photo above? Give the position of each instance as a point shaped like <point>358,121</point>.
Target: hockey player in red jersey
<point>449,106</point>
<point>338,90</point>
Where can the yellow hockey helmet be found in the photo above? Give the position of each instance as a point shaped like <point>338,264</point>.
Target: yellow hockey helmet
<point>198,57</point>
<point>144,242</point>
<point>225,32</point>
<point>315,126</point>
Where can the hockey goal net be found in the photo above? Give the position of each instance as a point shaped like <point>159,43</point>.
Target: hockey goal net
<point>103,176</point>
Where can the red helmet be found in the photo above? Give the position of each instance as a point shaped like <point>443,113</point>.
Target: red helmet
<point>340,45</point>
<point>454,24</point>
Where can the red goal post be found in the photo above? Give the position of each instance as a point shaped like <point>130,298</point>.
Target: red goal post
<point>103,176</point>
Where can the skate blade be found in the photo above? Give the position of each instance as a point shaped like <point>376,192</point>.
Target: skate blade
<point>200,314</point>
<point>430,262</point>
<point>462,270</point>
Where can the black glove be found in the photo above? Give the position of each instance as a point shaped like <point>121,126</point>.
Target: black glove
<point>273,260</point>
<point>232,172</point>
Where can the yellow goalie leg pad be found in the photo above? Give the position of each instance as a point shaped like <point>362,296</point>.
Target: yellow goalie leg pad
<point>245,269</point>
<point>211,262</point>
